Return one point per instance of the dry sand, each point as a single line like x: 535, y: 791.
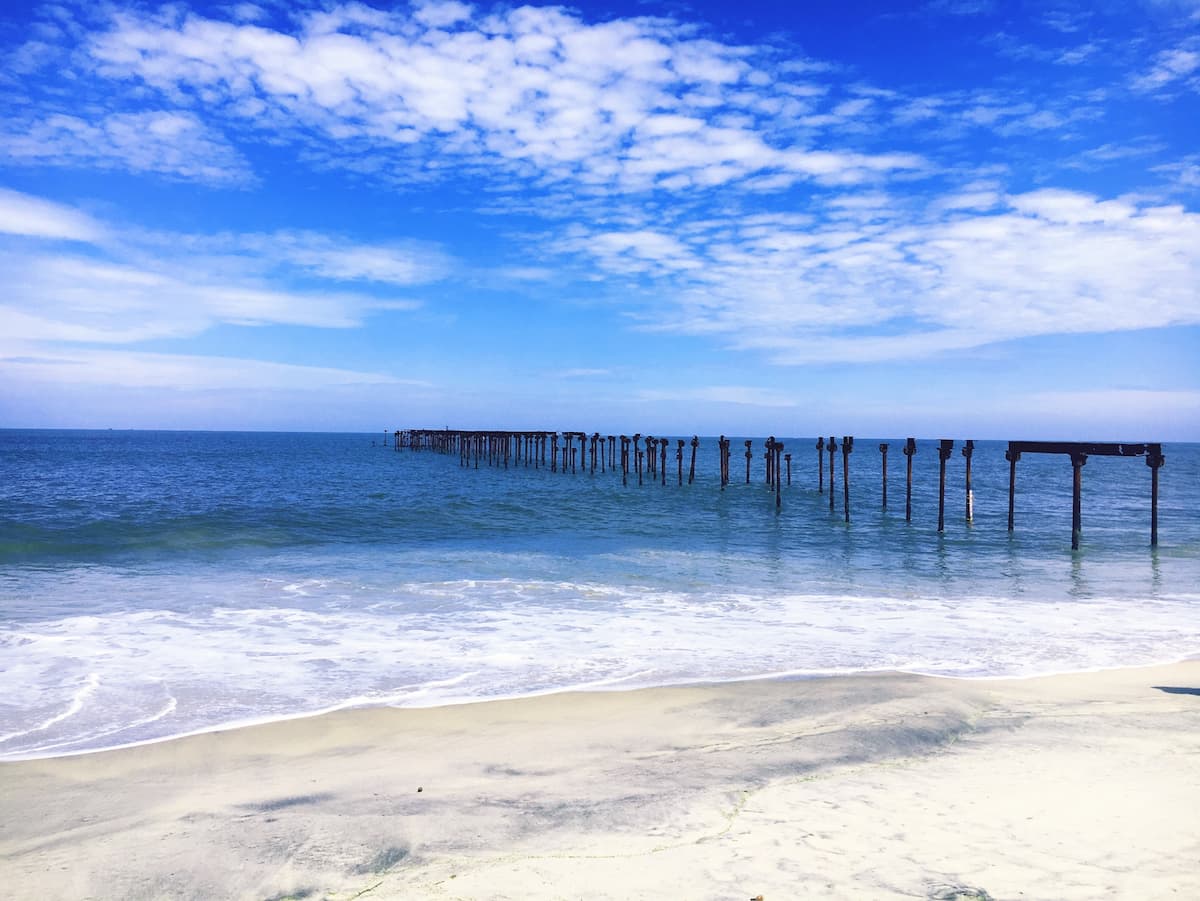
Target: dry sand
x: 875, y: 786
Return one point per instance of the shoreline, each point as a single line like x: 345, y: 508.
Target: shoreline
x: 597, y: 688
x: 1081, y: 785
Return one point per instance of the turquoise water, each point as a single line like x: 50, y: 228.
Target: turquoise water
x: 159, y: 583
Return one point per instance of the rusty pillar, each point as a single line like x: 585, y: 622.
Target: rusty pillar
x: 1077, y: 461
x: 883, y: 452
x: 847, y: 447
x: 945, y: 449
x: 832, y: 447
x: 820, y: 466
x: 1012, y: 456
x: 1154, y: 459
x: 910, y: 450
x: 968, y: 450
x: 778, y: 445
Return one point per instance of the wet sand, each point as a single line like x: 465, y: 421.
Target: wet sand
x: 873, y: 786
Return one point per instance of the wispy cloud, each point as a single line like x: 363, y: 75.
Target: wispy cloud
x: 736, y: 395
x: 126, y: 285
x: 904, y: 283
x: 627, y: 104
x: 171, y: 143
x: 179, y: 372
x: 23, y: 214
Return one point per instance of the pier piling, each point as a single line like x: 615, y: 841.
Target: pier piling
x: 832, y: 446
x: 883, y: 452
x: 968, y: 451
x: 847, y: 447
x: 945, y: 449
x: 910, y: 450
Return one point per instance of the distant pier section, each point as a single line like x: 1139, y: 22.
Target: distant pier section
x: 644, y: 458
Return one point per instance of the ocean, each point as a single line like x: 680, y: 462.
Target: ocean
x: 155, y: 584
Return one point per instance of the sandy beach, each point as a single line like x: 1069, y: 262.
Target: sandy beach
x: 874, y: 786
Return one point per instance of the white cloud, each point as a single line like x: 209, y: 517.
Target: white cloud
x: 625, y: 104
x: 905, y: 283
x: 737, y: 395
x: 171, y: 143
x: 23, y: 214
x: 132, y: 286
x: 1169, y: 67
x: 176, y: 372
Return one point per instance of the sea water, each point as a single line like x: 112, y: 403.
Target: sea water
x: 155, y: 584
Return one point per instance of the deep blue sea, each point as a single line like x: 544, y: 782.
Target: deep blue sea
x: 160, y: 583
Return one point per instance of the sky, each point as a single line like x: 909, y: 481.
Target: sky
x: 956, y: 218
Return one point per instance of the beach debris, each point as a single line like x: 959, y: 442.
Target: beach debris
x: 945, y: 892
x: 420, y: 789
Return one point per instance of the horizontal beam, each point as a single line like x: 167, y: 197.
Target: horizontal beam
x: 1084, y: 447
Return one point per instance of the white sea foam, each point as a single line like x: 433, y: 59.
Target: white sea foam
x: 128, y: 676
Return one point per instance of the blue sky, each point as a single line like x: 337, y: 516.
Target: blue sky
x: 966, y: 219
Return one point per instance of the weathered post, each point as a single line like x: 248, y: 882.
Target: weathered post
x: 748, y: 455
x: 624, y: 460
x: 723, y: 457
x: 662, y: 456
x: 769, y: 462
x: 1077, y: 460
x: 1012, y: 456
x: 832, y: 447
x: 778, y: 445
x: 554, y: 451
x: 820, y: 466
x: 692, y: 467
x: 788, y: 459
x: 910, y: 450
x: 679, y: 458
x: 883, y: 451
x: 967, y: 451
x: 1154, y: 459
x: 945, y: 449
x: 847, y: 447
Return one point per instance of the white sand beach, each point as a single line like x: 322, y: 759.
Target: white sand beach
x: 875, y: 786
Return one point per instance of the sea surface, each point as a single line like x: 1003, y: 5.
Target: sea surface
x: 154, y: 584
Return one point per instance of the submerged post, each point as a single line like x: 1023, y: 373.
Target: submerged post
x: 692, y: 467
x: 945, y: 449
x: 749, y: 453
x: 788, y: 459
x: 832, y: 446
x: 1077, y: 461
x: 1154, y: 459
x: 967, y: 450
x: 910, y: 450
x: 820, y: 466
x: 883, y: 451
x: 778, y: 490
x: 847, y: 447
x: 1012, y: 456
x: 679, y: 458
